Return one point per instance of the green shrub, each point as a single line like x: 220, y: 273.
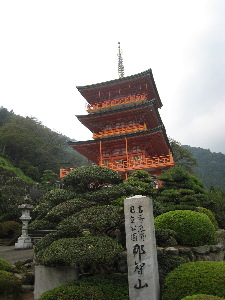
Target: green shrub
x: 9, y: 228
x: 202, y: 277
x: 5, y: 266
x: 9, y: 284
x: 65, y: 292
x: 202, y: 297
x: 141, y: 181
x: 89, y: 250
x: 57, y: 196
x: 192, y: 228
x: 210, y: 214
x: 90, y: 178
x: 97, y: 219
x: 65, y: 209
x: 114, y: 286
x: 165, y: 237
x: 41, y: 225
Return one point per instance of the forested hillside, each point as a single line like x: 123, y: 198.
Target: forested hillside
x: 29, y: 145
x: 211, y: 166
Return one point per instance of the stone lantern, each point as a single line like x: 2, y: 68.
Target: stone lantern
x: 24, y: 241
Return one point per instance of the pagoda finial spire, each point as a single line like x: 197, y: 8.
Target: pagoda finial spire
x: 120, y: 62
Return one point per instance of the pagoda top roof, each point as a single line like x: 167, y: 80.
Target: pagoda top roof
x: 145, y: 77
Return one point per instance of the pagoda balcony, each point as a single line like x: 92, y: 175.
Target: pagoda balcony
x: 152, y: 163
x: 110, y: 104
x: 120, y: 130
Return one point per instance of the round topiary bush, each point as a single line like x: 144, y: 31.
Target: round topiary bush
x: 9, y: 228
x: 89, y: 250
x: 97, y: 219
x: 9, y: 284
x: 65, y: 292
x: 202, y: 277
x: 5, y: 266
x: 192, y: 228
x: 202, y: 297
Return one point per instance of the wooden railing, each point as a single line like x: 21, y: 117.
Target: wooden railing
x: 138, y: 164
x: 116, y: 102
x: 119, y: 130
x: 64, y: 172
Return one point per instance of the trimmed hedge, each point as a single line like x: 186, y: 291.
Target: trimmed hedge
x: 192, y: 228
x: 65, y: 292
x: 66, y: 209
x: 5, y: 266
x: 202, y: 277
x: 41, y: 225
x: 9, y: 284
x: 98, y: 219
x: 202, y: 297
x: 90, y: 250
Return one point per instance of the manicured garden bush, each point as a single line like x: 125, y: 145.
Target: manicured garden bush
x: 202, y: 277
x: 142, y: 182
x: 165, y: 237
x: 5, y: 266
x: 9, y: 284
x: 57, y: 196
x: 43, y: 243
x: 210, y: 214
x: 202, y: 297
x: 41, y: 225
x: 90, y: 178
x: 96, y: 251
x: 65, y: 292
x: 9, y: 228
x: 192, y: 228
x: 97, y: 219
x: 65, y: 209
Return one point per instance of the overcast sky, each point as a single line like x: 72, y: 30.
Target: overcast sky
x: 48, y: 47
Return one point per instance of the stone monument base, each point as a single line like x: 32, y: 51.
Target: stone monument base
x: 24, y: 243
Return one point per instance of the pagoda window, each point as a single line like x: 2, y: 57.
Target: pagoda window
x: 136, y: 149
x: 105, y: 153
x: 119, y: 151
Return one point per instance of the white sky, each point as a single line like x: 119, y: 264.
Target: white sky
x: 47, y: 47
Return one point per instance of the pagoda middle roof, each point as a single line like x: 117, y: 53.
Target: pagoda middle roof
x: 87, y: 91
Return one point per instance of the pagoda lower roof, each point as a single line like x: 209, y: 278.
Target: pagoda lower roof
x: 87, y: 91
x: 154, y: 141
x: 146, y: 111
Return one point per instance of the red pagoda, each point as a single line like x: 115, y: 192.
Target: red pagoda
x: 128, y: 133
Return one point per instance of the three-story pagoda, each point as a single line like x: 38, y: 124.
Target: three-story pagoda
x: 128, y: 133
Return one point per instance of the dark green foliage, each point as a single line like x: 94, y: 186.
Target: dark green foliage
x: 97, y: 219
x: 208, y: 213
x: 96, y: 251
x: 65, y: 209
x: 45, y: 242
x: 202, y: 277
x: 41, y: 225
x: 183, y: 157
x: 108, y: 194
x: 165, y: 237
x: 114, y: 286
x: 202, y: 297
x: 9, y: 228
x: 167, y: 263
x: 5, y: 266
x: 142, y: 182
x: 65, y: 292
x: 180, y: 188
x: 90, y: 178
x: 211, y: 166
x: 58, y: 196
x: 216, y: 203
x: 192, y: 228
x: 9, y: 284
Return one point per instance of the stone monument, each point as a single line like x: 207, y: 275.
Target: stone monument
x: 24, y: 241
x: 142, y: 262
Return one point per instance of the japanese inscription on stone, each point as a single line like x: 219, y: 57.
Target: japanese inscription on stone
x: 141, y: 249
